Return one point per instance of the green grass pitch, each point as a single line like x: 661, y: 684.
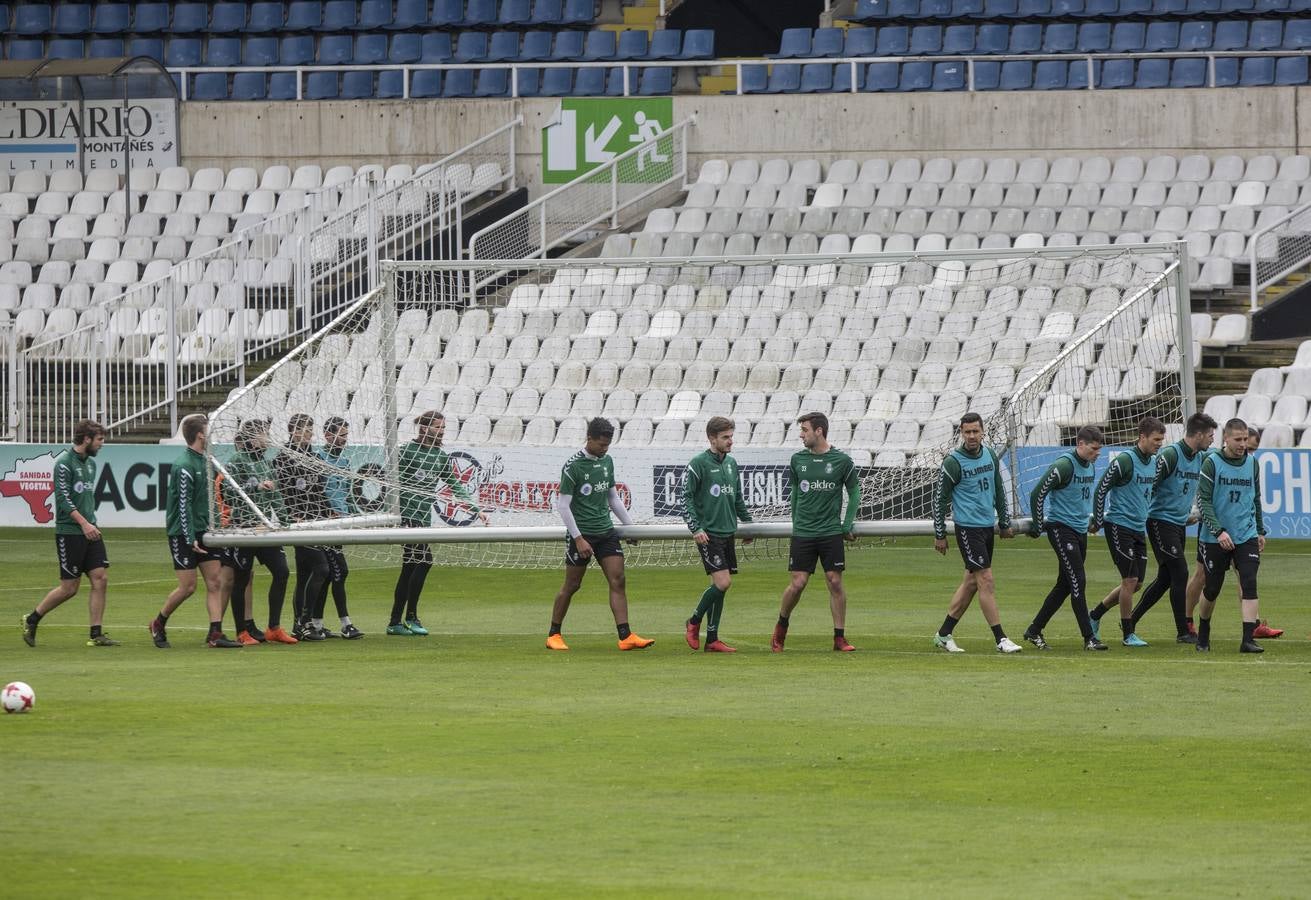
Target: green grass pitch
x: 476, y: 763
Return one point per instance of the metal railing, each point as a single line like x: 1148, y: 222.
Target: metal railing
x: 656, y: 166
x: 8, y: 381
x: 132, y: 357
x: 632, y: 69
x: 1278, y: 250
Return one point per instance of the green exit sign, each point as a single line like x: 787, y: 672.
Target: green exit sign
x: 589, y: 132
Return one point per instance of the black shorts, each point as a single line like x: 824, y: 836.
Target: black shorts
x: 242, y: 559
x: 719, y: 554
x: 829, y: 551
x: 77, y: 556
x: 337, y: 568
x: 1128, y: 550
x: 416, y: 554
x: 603, y: 545
x: 1169, y: 540
x: 185, y: 557
x: 975, y: 546
x: 1245, y: 559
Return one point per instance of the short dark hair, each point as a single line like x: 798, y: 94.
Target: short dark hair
x: 297, y: 421
x: 1090, y: 434
x: 334, y: 423
x: 971, y: 418
x: 86, y: 429
x: 192, y: 426
x: 1199, y: 422
x: 1151, y: 425
x: 600, y: 428
x: 1253, y: 431
x: 718, y: 425
x: 427, y: 419
x: 818, y: 422
x: 247, y: 432
x: 1235, y: 424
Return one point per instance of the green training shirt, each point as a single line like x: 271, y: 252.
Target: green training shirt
x: 712, y: 496
x: 75, y: 489
x: 188, y: 497
x: 587, y: 480
x: 817, y: 484
x: 421, y: 468
x: 249, y: 470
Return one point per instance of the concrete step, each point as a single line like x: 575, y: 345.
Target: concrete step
x: 641, y: 16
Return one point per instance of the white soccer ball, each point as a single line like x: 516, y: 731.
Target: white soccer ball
x: 18, y: 697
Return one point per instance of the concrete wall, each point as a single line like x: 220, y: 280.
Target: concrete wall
x: 831, y: 126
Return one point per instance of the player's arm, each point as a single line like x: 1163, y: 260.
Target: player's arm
x: 1256, y: 506
x: 617, y: 507
x: 1166, y: 462
x: 687, y: 498
x: 948, y: 479
x: 999, y: 499
x: 1058, y: 475
x: 1206, y: 501
x: 852, y: 484
x: 185, y: 489
x: 64, y: 501
x: 1117, y: 474
x: 459, y: 489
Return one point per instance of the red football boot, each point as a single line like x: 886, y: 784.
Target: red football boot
x: 692, y: 631
x: 776, y: 641
x: 718, y: 646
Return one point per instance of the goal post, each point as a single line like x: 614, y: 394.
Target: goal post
x: 892, y: 347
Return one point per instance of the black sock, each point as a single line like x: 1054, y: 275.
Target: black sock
x: 555, y: 629
x: 837, y: 632
x: 1188, y: 619
x: 1097, y: 612
x: 1249, y: 630
x: 163, y: 619
x: 624, y: 631
x: 997, y: 634
x: 34, y: 618
x: 216, y: 627
x: 694, y: 619
x: 1126, y: 625
x: 948, y: 625
x: 249, y: 625
x: 783, y: 622
x: 95, y: 631
x: 712, y: 636
x: 1204, y: 631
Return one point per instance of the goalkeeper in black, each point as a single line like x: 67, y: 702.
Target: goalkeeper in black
x: 301, y: 478
x: 712, y: 506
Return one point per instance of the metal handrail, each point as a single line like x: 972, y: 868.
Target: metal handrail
x: 1257, y: 283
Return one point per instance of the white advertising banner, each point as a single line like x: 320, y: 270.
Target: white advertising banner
x: 49, y: 135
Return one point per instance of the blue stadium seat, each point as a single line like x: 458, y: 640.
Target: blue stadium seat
x: 546, y: 12
x: 260, y: 51
x: 1188, y: 73
x: 370, y: 49
x: 958, y: 40
x: 1169, y: 7
x: 336, y: 50
x: 265, y: 18
x: 1077, y: 78
x: 614, y: 83
x: 356, y: 85
x: 210, y: 86
x: 1230, y: 35
x: 600, y: 45
x: 1265, y: 34
x: 1060, y: 37
x: 65, y: 48
x: 1237, y: 6
x: 794, y: 43
x: 303, y: 15
x: 391, y: 84
x: 1128, y: 37
x: 410, y: 14
x: 493, y: 83
x: 816, y: 78
x: 698, y: 43
x: 223, y: 51
x: 295, y: 50
x: 590, y: 82
x: 1101, y: 9
x: 111, y: 18
x: 1016, y: 75
x: 405, y: 48
x: 1297, y: 34
x: 754, y: 79
x: 632, y: 44
x: 967, y: 9
x: 536, y: 45
x: 249, y: 86
x: 657, y: 81
x: 894, y: 40
x: 504, y: 47
x: 479, y: 14
x: 934, y: 9
x: 182, y: 52
x: 1265, y: 6
x: 1203, y: 7
x: 1291, y: 70
x: 1050, y: 75
x: 1162, y: 37
x: 1094, y: 37
x: 1257, y: 71
x: 861, y: 42
x: 282, y: 86
x: 1067, y: 7
x: 784, y: 79
x: 514, y: 12
x: 436, y: 47
x: 526, y: 82
x: 150, y: 18
x: 190, y: 18
x: 842, y: 77
x: 374, y: 14
x: 426, y: 83
x: 101, y: 48
x: 1153, y: 73
x: 1026, y: 38
x: 27, y: 48
x: 339, y: 15
x: 227, y: 18
x: 925, y: 40
x: 987, y: 75
x: 665, y: 44
x: 1226, y: 71
x: 827, y: 42
x: 1135, y: 7
x: 1196, y: 36
x: 881, y: 76
x: 471, y: 46
x: 32, y: 19
x: 867, y: 10
x: 1000, y: 9
x: 557, y: 82
x: 72, y: 18
x: 905, y: 9
x: 992, y: 37
x: 948, y: 76
x: 568, y: 46
x: 1032, y: 9
x: 152, y: 47
x: 322, y: 86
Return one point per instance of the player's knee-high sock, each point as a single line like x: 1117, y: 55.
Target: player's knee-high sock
x: 708, y: 598
x: 240, y: 580
x: 278, y: 576
x: 339, y: 598
x: 402, y: 594
x: 1179, y: 602
x: 716, y: 611
x: 417, y: 579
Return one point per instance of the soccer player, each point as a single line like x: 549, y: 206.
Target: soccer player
x: 587, y: 497
x: 1061, y: 505
x: 250, y: 471
x: 1231, y: 531
x: 1120, y: 504
x: 971, y: 485
x: 422, y: 464
x: 819, y: 475
x: 712, y: 506
x: 78, y: 542
x: 186, y: 519
x: 336, y: 492
x: 300, y: 477
x: 1175, y: 484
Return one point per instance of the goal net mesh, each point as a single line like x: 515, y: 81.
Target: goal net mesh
x: 518, y: 356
